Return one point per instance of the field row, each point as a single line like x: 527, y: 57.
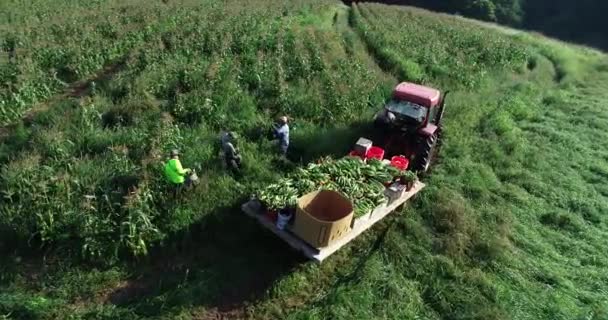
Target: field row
x: 90, y: 167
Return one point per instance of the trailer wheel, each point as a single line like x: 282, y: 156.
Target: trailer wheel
x: 424, y: 156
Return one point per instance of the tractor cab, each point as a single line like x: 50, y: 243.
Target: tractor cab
x: 412, y: 107
x: 410, y: 122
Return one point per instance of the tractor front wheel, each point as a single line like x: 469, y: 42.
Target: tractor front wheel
x: 426, y: 147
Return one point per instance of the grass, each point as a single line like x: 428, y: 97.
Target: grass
x: 512, y: 224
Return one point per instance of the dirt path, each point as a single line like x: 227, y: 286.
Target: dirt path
x: 343, y: 26
x: 76, y: 89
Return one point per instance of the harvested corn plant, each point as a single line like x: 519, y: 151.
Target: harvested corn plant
x: 361, y: 182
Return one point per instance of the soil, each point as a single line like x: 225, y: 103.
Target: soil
x: 76, y: 89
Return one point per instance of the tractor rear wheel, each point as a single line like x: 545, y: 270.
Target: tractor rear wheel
x: 426, y: 147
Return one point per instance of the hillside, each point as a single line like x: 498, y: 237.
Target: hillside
x: 513, y: 223
x: 576, y: 21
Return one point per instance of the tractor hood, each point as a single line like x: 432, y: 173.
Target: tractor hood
x: 424, y: 96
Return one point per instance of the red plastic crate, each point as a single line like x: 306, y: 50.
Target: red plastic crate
x: 375, y: 153
x: 400, y: 162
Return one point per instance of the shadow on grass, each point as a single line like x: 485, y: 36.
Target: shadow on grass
x: 359, y: 268
x: 227, y: 261
x: 218, y: 265
x: 222, y: 263
x: 356, y: 271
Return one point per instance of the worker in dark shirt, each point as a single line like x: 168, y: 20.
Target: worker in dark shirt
x: 231, y: 155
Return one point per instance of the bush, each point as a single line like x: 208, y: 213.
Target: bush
x: 482, y: 9
x: 31, y: 307
x: 560, y: 221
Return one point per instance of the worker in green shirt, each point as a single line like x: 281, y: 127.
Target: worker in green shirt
x: 175, y: 173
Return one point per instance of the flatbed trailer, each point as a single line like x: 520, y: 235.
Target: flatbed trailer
x: 360, y: 224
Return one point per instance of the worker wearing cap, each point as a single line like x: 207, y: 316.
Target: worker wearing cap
x: 281, y: 132
x: 230, y: 152
x: 174, y: 171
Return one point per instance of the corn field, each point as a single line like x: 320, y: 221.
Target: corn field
x: 88, y: 165
x: 95, y: 94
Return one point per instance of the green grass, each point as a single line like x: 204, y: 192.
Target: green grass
x: 513, y: 223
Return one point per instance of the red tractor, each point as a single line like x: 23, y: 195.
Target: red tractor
x: 410, y: 123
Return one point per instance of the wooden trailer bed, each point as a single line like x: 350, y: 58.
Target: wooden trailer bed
x: 359, y: 226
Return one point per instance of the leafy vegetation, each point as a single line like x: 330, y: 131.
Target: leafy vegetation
x: 512, y: 224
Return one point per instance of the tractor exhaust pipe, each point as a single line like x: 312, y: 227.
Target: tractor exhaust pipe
x: 441, y: 109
